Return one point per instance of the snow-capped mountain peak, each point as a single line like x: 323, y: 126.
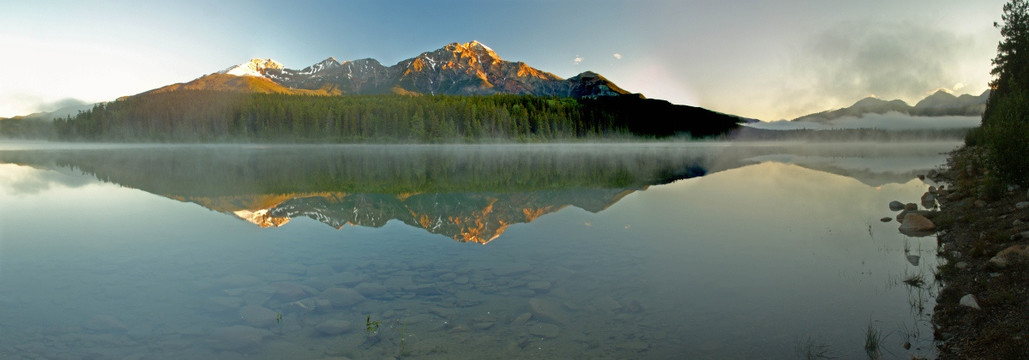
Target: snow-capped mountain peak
x: 254, y: 67
x: 476, y: 43
x: 326, y: 64
x: 470, y: 68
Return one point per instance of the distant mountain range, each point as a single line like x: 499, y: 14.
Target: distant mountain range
x: 64, y: 111
x: 940, y: 103
x: 455, y: 69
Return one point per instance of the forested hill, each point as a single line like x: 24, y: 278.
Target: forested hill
x: 214, y: 116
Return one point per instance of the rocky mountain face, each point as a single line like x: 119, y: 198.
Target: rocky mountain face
x: 455, y: 69
x: 940, y: 103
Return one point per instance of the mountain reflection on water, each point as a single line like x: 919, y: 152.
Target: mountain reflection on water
x: 468, y: 193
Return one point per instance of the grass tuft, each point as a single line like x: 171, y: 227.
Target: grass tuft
x: 873, y: 341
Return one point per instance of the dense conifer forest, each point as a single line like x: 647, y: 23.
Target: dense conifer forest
x: 221, y: 116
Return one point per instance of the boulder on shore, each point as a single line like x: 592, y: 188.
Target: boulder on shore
x: 1006, y: 256
x: 916, y: 225
x: 969, y: 301
x: 928, y: 200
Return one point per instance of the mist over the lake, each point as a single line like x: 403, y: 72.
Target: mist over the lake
x: 889, y: 121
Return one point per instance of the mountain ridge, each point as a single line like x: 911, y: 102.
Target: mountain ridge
x: 455, y: 69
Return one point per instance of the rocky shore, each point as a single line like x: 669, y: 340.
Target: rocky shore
x: 982, y: 311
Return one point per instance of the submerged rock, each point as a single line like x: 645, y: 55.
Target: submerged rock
x: 886, y: 219
x: 539, y: 286
x: 223, y: 303
x: 896, y: 205
x: 237, y: 337
x: 258, y: 316
x: 521, y: 319
x: 334, y: 327
x: 547, y: 309
x: 342, y: 297
x: 372, y: 290
x: 302, y: 306
x: 545, y: 330
x: 288, y: 292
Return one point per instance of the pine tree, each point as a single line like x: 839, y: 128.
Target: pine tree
x: 1005, y: 129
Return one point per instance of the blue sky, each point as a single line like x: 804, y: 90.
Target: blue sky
x: 764, y: 59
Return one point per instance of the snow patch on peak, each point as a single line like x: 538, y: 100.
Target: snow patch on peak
x: 476, y: 43
x: 255, y: 67
x: 329, y: 63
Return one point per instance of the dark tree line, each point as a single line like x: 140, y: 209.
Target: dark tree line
x: 214, y: 116
x: 1005, y: 130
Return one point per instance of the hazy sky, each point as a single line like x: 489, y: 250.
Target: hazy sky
x: 764, y: 59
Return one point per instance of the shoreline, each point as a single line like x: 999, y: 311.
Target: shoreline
x: 982, y: 311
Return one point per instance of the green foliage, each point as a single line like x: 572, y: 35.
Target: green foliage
x: 1005, y: 130
x: 210, y: 116
x: 371, y: 327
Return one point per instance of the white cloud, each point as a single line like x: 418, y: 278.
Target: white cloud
x: 618, y: 56
x: 577, y: 60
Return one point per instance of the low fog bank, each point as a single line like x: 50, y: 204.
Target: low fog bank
x: 892, y: 121
x: 889, y: 127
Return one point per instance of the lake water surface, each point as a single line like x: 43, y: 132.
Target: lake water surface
x: 615, y: 251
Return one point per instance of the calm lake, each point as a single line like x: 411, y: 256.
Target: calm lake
x: 612, y: 251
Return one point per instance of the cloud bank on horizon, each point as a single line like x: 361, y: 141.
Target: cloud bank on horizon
x: 762, y: 59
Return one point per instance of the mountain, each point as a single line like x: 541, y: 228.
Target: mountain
x: 455, y: 69
x: 943, y: 103
x: 940, y: 103
x: 64, y: 111
x: 39, y: 125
